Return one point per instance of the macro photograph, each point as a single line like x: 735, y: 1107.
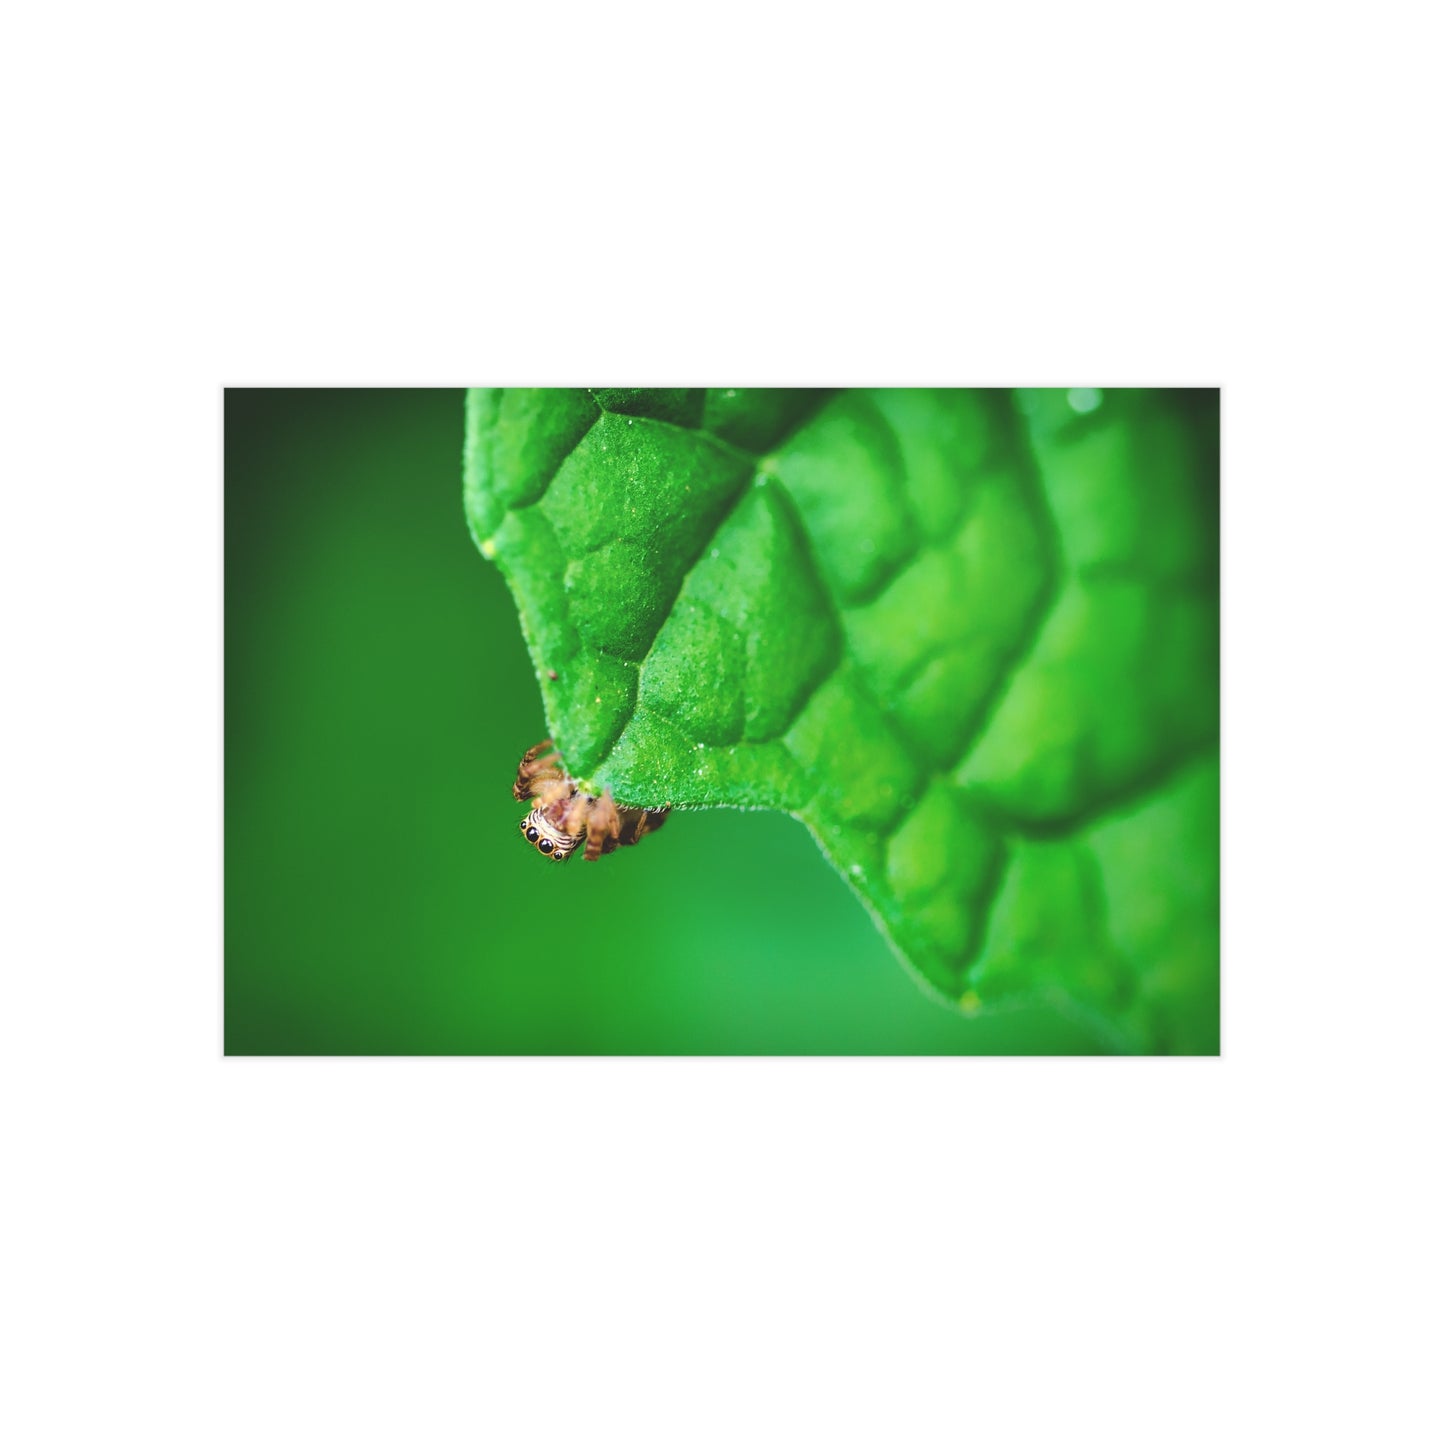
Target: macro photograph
x: 722, y: 720
x: 626, y: 633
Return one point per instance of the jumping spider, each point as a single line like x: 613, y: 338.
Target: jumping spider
x: 564, y: 815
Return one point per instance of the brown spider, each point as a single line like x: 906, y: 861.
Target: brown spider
x: 564, y: 814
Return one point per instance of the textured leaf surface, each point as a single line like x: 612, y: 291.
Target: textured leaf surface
x: 970, y: 638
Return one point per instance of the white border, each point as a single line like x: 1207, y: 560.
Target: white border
x: 721, y: 1250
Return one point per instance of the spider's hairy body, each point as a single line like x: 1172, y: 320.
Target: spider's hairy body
x: 563, y: 816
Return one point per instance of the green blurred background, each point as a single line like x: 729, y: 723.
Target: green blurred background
x: 378, y: 897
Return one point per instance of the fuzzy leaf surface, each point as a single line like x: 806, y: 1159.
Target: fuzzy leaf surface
x: 969, y: 637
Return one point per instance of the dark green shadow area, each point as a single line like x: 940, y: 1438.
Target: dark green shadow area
x: 378, y: 897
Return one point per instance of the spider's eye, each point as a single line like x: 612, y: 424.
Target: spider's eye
x: 532, y: 834
x: 545, y: 845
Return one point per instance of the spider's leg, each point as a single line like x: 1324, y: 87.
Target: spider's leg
x: 539, y: 764
x: 574, y: 820
x: 604, y: 823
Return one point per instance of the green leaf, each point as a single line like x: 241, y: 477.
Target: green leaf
x: 970, y: 638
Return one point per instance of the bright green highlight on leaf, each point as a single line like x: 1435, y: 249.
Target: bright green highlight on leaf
x: 970, y: 638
